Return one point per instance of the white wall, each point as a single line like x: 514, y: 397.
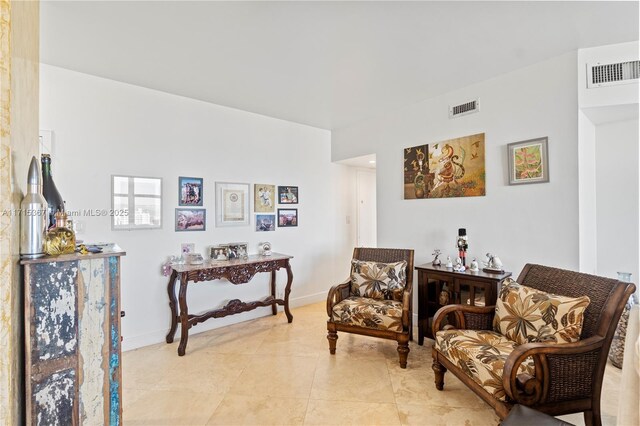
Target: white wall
x: 527, y: 223
x: 617, y: 198
x: 102, y: 127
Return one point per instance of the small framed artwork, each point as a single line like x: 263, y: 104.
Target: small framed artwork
x: 287, y: 217
x: 288, y: 194
x: 187, y: 248
x: 265, y: 222
x: 191, y: 219
x: 232, y: 204
x: 189, y: 191
x: 528, y: 161
x: 264, y: 198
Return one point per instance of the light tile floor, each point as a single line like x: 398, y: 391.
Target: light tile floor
x: 267, y: 371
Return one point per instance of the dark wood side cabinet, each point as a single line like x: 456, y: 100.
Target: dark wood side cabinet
x: 439, y: 286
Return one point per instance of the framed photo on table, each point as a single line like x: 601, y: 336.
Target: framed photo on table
x: 232, y: 204
x: 528, y: 161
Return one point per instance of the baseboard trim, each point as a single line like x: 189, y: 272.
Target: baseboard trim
x: 158, y: 336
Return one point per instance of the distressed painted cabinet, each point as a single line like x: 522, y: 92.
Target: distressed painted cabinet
x: 72, y: 339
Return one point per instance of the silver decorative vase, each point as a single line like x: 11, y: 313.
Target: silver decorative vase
x: 33, y: 215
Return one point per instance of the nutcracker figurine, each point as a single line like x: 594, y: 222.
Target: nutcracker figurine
x: 463, y: 245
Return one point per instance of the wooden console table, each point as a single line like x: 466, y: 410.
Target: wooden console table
x: 236, y: 271
x: 471, y: 288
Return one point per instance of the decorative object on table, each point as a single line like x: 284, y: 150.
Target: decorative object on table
x: 449, y: 264
x: 288, y: 194
x: 195, y: 259
x: 264, y: 198
x: 452, y: 168
x: 444, y: 296
x: 459, y: 267
x: 167, y: 266
x: 60, y: 239
x: 237, y: 250
x: 436, y: 261
x: 462, y: 245
x: 33, y: 215
x: 616, y: 352
x: 265, y: 222
x: 190, y: 191
x: 287, y: 218
x: 186, y: 248
x: 86, y: 249
x: 219, y: 253
x: 264, y: 248
x: 232, y: 204
x: 50, y: 191
x: 191, y: 220
x: 528, y: 161
x: 474, y: 265
x: 493, y: 264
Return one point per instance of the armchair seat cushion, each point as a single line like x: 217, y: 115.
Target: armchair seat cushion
x: 369, y: 313
x: 481, y: 355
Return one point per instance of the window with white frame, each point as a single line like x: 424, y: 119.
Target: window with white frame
x: 136, y: 202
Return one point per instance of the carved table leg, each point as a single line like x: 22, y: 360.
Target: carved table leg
x: 184, y: 315
x: 274, y: 305
x: 287, y: 290
x: 171, y: 289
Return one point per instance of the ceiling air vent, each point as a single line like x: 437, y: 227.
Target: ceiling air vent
x: 600, y: 75
x: 464, y: 109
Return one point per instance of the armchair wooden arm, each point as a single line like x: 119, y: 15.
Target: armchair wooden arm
x: 559, y: 371
x: 338, y: 293
x: 465, y: 317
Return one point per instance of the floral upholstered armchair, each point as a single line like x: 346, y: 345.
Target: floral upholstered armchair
x: 376, y: 300
x: 543, y: 345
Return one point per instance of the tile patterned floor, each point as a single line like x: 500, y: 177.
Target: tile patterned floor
x: 267, y: 371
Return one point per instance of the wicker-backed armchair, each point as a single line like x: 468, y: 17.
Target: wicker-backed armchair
x: 388, y: 319
x: 555, y: 378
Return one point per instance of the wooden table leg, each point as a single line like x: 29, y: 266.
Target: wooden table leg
x: 274, y: 305
x: 184, y: 314
x: 287, y: 290
x: 171, y: 289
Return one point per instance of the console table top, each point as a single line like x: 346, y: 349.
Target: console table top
x: 210, y: 263
x: 469, y: 273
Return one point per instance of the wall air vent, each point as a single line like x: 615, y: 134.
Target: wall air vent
x: 600, y: 75
x: 464, y: 109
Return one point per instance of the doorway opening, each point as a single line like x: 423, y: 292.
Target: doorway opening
x: 363, y: 176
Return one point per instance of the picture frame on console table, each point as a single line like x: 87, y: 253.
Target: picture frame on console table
x: 528, y: 161
x: 232, y: 204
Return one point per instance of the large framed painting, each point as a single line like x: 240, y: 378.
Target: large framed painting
x: 451, y: 168
x: 264, y: 198
x: 232, y: 204
x: 528, y: 161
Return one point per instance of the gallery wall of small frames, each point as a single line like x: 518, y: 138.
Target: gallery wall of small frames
x: 272, y: 206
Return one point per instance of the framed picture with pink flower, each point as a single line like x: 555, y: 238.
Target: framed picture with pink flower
x: 528, y: 161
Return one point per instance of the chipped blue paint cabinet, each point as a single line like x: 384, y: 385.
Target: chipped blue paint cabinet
x: 72, y: 339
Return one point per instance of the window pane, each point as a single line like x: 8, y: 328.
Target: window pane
x: 146, y: 186
x: 147, y: 211
x: 120, y: 206
x: 120, y: 185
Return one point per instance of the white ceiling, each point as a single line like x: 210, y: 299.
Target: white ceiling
x: 326, y: 64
